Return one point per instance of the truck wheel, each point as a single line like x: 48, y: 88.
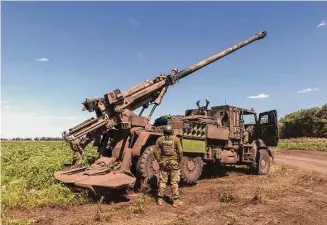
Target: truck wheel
x: 191, y: 169
x: 148, y: 168
x: 262, y: 163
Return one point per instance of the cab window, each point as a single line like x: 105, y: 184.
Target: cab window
x: 249, y: 119
x: 264, y: 119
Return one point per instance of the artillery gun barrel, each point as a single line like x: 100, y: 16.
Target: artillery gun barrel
x: 219, y: 55
x: 96, y: 124
x: 82, y: 125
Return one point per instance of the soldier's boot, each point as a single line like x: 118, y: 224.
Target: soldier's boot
x: 177, y: 202
x: 76, y: 164
x: 160, y: 201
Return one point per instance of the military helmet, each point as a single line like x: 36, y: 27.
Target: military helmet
x: 174, y: 70
x: 168, y: 130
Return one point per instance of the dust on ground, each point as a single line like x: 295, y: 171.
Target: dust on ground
x: 287, y: 195
x: 308, y: 160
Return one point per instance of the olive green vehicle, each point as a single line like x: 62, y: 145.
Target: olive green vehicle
x: 224, y: 135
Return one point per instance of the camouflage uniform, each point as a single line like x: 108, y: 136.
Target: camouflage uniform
x: 246, y: 137
x: 77, y: 159
x: 248, y: 131
x: 168, y: 152
x: 77, y: 155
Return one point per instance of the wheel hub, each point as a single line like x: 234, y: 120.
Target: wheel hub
x: 154, y: 165
x: 190, y: 165
x: 262, y: 163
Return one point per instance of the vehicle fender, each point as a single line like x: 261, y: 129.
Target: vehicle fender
x: 261, y: 145
x: 144, y: 139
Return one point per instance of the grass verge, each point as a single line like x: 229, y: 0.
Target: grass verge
x: 315, y: 144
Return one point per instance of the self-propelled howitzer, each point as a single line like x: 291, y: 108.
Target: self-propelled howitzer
x: 116, y: 128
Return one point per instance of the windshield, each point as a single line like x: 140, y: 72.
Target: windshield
x: 249, y: 119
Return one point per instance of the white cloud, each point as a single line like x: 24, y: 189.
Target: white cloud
x: 323, y: 23
x: 54, y: 117
x: 307, y: 90
x: 5, y: 104
x: 134, y: 23
x: 259, y: 96
x: 42, y: 59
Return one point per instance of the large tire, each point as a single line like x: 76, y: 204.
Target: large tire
x: 148, y: 168
x: 191, y: 169
x: 262, y: 163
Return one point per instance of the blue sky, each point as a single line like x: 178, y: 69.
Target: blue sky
x: 91, y: 48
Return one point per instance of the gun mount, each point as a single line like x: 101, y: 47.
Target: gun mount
x: 117, y: 130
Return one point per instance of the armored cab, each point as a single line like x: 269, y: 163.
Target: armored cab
x: 229, y: 123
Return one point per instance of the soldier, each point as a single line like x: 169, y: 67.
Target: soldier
x: 76, y: 163
x: 168, y: 152
x: 247, y: 133
x: 77, y: 155
x: 77, y: 159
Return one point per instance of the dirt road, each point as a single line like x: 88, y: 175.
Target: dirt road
x: 292, y: 193
x: 307, y: 160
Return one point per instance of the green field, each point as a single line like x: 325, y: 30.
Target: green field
x: 27, y: 170
x: 316, y: 144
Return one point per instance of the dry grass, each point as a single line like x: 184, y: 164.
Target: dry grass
x: 139, y: 206
x: 9, y: 221
x: 103, y: 215
x: 227, y: 195
x: 308, y: 179
x: 277, y: 170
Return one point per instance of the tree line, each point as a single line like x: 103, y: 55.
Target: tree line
x: 310, y: 122
x: 32, y: 139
